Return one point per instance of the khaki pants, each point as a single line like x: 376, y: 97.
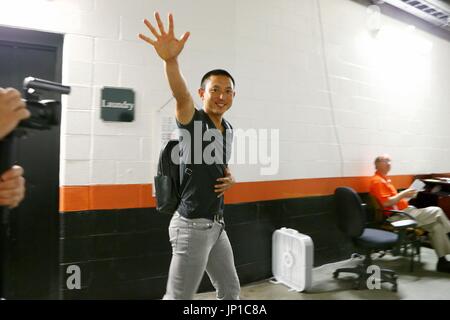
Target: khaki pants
x: 433, y: 220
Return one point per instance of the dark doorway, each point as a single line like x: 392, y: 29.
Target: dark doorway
x: 31, y: 265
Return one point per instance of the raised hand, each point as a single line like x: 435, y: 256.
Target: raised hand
x: 167, y: 46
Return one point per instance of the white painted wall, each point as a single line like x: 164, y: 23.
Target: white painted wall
x: 338, y: 94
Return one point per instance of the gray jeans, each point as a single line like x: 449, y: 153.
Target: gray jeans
x: 199, y: 245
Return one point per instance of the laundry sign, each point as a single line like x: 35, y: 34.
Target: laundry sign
x: 117, y: 104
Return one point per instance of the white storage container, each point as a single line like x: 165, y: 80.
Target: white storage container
x: 292, y: 258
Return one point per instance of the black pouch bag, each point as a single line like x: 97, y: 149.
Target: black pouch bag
x: 167, y: 181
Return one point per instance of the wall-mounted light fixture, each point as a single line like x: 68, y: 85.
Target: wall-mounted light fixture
x: 373, y: 19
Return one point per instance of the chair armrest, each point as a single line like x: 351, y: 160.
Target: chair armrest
x: 404, y: 224
x: 400, y: 213
x: 410, y: 222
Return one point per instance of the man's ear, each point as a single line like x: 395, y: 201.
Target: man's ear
x: 201, y: 93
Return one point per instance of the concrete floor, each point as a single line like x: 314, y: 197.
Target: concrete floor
x: 424, y: 283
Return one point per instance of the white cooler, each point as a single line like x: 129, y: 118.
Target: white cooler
x: 292, y: 259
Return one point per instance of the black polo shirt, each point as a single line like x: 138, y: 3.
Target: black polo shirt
x: 205, y: 153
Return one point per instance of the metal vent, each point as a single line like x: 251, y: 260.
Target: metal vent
x: 436, y: 12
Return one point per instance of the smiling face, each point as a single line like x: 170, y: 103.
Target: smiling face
x: 217, y: 95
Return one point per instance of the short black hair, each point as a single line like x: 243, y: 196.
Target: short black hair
x: 216, y: 72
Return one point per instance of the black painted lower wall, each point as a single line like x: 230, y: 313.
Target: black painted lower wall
x: 125, y: 254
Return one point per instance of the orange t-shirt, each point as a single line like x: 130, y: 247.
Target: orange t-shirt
x: 382, y: 189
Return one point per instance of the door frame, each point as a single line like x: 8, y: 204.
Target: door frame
x: 55, y: 41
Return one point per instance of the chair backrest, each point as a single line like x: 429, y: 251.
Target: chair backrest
x: 350, y: 212
x: 379, y: 215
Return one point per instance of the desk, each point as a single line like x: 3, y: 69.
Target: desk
x: 436, y: 193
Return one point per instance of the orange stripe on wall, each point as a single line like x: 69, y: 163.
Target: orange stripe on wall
x: 284, y: 189
x: 103, y: 197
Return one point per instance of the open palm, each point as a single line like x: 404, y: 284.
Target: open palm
x: 167, y: 46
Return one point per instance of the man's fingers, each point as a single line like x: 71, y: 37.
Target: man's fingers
x: 160, y: 24
x: 151, y: 28
x: 222, y: 187
x: 12, y: 188
x: 12, y: 202
x: 13, y: 98
x: 15, y: 194
x: 18, y: 104
x: 14, y: 205
x: 11, y: 195
x: 11, y: 184
x: 146, y: 39
x: 220, y: 195
x: 228, y: 178
x: 171, y: 31
x: 23, y: 113
x: 12, y: 94
x: 225, y: 180
x: 185, y: 37
x: 14, y: 172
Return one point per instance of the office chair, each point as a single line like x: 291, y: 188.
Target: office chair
x: 352, y: 222
x: 400, y: 222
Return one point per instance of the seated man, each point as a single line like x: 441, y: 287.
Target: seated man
x: 432, y: 219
